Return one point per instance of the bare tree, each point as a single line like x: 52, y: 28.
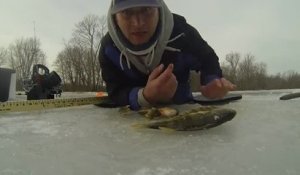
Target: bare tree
x: 101, y: 34
x: 246, y: 69
x: 232, y: 59
x: 81, y: 54
x: 251, y: 75
x: 3, y: 54
x: 246, y: 73
x: 23, y: 54
x: 70, y: 65
x: 87, y: 35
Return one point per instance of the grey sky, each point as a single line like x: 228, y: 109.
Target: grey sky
x: 268, y: 29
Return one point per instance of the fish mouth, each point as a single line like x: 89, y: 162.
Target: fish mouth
x: 221, y: 116
x: 227, y: 114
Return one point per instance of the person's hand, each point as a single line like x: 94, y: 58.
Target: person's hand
x: 161, y: 85
x: 217, y: 88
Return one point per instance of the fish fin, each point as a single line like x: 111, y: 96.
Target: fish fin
x: 125, y: 110
x: 166, y: 130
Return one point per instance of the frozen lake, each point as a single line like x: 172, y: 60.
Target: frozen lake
x: 263, y: 139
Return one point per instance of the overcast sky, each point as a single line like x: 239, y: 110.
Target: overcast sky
x: 268, y: 29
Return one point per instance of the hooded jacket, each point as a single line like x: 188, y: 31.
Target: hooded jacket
x: 186, y: 50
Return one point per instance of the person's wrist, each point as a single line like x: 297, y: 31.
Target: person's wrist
x: 147, y: 97
x: 141, y: 99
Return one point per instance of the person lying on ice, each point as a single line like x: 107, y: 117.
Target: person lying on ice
x: 148, y: 53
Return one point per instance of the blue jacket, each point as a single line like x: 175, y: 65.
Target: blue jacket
x: 123, y: 84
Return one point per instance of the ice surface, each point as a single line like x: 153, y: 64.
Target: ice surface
x: 263, y: 138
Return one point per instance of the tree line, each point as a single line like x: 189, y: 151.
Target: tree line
x: 78, y: 66
x: 248, y: 74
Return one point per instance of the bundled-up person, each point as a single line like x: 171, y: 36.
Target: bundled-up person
x: 148, y: 53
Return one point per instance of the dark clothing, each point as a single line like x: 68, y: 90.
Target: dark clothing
x: 195, y: 54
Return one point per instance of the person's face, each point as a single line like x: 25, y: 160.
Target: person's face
x: 138, y: 24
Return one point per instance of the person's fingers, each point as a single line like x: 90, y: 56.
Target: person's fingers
x: 171, y: 83
x: 227, y: 84
x: 231, y: 86
x: 169, y: 88
x: 218, y: 83
x: 215, y: 84
x: 156, y: 72
x: 166, y: 74
x: 215, y: 89
x: 208, y: 91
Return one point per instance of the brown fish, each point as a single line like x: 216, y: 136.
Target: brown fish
x: 195, y: 119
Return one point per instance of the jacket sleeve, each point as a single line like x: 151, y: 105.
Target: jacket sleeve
x: 118, y: 86
x: 207, y: 60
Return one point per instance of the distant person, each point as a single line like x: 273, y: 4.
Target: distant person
x: 148, y: 53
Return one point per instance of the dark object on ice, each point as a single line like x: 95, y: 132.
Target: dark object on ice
x: 107, y: 103
x: 8, y: 84
x: 43, y: 84
x: 290, y: 96
x: 206, y: 101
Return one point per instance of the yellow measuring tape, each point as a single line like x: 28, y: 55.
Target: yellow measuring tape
x: 31, y: 105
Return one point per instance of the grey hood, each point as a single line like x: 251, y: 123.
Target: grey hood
x: 154, y: 52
